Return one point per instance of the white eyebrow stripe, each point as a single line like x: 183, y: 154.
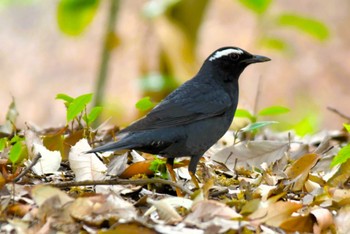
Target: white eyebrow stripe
x: 226, y: 52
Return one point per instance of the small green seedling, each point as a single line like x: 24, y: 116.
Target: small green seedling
x: 144, y: 104
x: 254, y: 123
x: 159, y: 168
x: 76, y: 108
x: 18, y: 149
x: 344, y: 153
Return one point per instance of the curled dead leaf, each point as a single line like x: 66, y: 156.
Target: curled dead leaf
x: 274, y: 214
x: 165, y: 210
x: 324, y: 219
x: 137, y: 168
x: 300, y: 169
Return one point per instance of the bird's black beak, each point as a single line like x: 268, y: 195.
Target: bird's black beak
x: 256, y: 59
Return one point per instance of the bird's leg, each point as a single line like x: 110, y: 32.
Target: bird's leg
x: 194, y: 179
x: 192, y: 169
x: 170, y: 168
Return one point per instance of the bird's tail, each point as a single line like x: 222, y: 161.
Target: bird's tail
x: 113, y: 146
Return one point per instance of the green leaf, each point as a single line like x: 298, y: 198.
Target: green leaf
x: 15, y: 139
x: 77, y: 106
x: 243, y: 113
x: 310, y: 26
x: 73, y: 16
x: 273, y: 43
x: 257, y: 125
x: 342, y: 156
x: 347, y: 127
x: 64, y: 97
x: 308, y: 125
x: 144, y: 104
x: 158, y: 166
x: 94, y: 113
x: 15, y: 152
x: 155, y: 82
x: 2, y: 143
x: 257, y: 6
x: 273, y: 110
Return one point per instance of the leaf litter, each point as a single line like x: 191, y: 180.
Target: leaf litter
x: 272, y: 184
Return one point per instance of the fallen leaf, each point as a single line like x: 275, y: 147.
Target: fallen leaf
x: 324, y: 219
x: 41, y: 193
x: 137, y: 168
x: 166, y: 211
x: 341, y: 175
x: 85, y: 166
x: 130, y: 228
x: 253, y: 153
x: 206, y: 210
x: 172, y: 201
x: 49, y: 162
x: 342, y: 220
x: 274, y: 214
x: 300, y: 169
x: 301, y: 224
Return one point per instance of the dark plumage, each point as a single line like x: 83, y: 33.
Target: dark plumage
x: 194, y: 116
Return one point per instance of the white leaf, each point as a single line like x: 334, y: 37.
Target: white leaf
x: 85, y: 166
x: 48, y: 163
x: 136, y: 157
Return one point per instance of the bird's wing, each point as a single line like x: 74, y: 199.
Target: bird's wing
x: 183, y: 107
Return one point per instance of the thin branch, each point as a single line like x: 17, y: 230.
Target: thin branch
x: 25, y: 171
x: 339, y: 113
x: 106, y: 53
x: 120, y: 181
x: 257, y: 96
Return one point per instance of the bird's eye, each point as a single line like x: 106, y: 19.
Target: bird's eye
x: 234, y: 56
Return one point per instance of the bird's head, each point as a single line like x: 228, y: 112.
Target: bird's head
x: 229, y: 62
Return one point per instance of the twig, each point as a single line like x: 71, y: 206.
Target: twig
x: 25, y: 171
x: 106, y: 53
x: 339, y: 113
x: 257, y: 96
x: 120, y: 181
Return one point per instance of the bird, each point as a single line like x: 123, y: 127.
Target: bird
x: 194, y: 116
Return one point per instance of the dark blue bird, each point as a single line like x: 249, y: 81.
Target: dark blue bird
x: 194, y: 116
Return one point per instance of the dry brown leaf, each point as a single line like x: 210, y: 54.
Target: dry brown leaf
x: 310, y: 186
x: 206, y: 210
x: 82, y: 207
x: 166, y: 211
x: 71, y: 140
x: 253, y: 153
x: 341, y: 196
x: 54, y: 141
x: 130, y: 228
x: 250, y: 207
x: 303, y: 224
x: 324, y: 219
x: 300, y: 169
x: 18, y: 210
x: 341, y: 176
x: 137, y: 168
x: 274, y: 214
x: 41, y: 193
x: 342, y: 220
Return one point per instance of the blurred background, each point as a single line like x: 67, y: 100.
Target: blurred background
x: 124, y: 50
